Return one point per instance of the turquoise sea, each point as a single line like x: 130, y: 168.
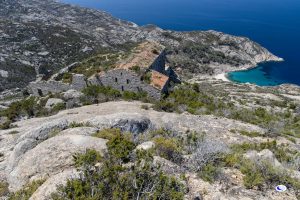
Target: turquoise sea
x: 275, y: 24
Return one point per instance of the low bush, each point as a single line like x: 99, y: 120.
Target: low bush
x: 209, y: 172
x: 27, y: 191
x: 281, y: 153
x: 107, y: 133
x: 168, y: 148
x: 117, y: 179
x: 4, y: 189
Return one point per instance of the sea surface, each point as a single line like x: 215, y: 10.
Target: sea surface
x: 275, y: 24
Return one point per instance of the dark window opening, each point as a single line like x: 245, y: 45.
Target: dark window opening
x: 128, y: 81
x: 116, y: 80
x: 122, y: 88
x: 40, y: 92
x: 121, y: 73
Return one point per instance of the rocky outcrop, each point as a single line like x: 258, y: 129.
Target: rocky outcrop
x: 52, y: 102
x: 42, y: 148
x: 72, y: 98
x: 126, y: 122
x: 50, y: 185
x: 50, y: 158
x: 146, y: 146
x: 31, y: 138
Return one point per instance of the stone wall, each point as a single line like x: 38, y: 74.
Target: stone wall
x: 78, y: 82
x: 159, y: 63
x: 41, y: 88
x: 125, y: 80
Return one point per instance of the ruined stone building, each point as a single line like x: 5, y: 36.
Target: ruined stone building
x: 144, y: 70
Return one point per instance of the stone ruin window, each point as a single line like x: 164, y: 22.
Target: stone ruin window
x: 40, y: 92
x: 116, y: 80
x: 122, y: 88
x: 128, y: 81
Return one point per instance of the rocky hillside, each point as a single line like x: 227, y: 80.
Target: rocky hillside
x: 219, y: 140
x: 41, y: 37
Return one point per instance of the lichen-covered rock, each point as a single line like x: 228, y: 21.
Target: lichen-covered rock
x: 87, y: 131
x: 146, y: 145
x: 51, y: 157
x: 52, y: 102
x: 72, y: 98
x: 126, y: 122
x: 32, y: 138
x: 50, y: 185
x: 264, y: 155
x: 72, y: 94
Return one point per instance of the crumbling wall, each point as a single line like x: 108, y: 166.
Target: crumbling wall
x: 41, y: 88
x: 78, y: 82
x: 159, y: 63
x: 125, y: 80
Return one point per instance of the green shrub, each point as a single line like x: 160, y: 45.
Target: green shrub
x: 127, y: 95
x: 147, y: 77
x: 26, y: 107
x: 168, y: 149
x: 27, y: 191
x: 4, y: 189
x: 253, y: 176
x: 282, y: 154
x: 76, y: 125
x: 120, y: 146
x: 58, y: 107
x: 209, y: 172
x: 264, y: 175
x: 5, y: 125
x: 90, y: 157
x: 108, y: 134
x: 145, y: 107
x: 67, y: 78
x: 250, y: 134
x: 93, y: 93
x: 137, y: 69
x: 115, y: 180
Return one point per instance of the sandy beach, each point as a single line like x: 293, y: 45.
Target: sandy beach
x: 222, y: 76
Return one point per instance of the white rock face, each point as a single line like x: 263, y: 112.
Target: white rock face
x: 51, y: 157
x: 87, y: 131
x: 72, y: 94
x: 53, y: 102
x: 264, y: 155
x: 3, y: 73
x: 44, y: 191
x: 146, y: 146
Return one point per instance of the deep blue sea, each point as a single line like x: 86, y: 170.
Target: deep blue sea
x: 275, y: 24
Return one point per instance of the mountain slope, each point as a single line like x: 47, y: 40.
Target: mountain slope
x: 41, y: 37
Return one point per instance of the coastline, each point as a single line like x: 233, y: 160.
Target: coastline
x: 224, y: 75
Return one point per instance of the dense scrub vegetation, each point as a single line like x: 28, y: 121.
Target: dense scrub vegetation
x: 196, y: 57
x: 98, y: 94
x: 122, y: 174
x: 27, y: 108
x: 103, y: 60
x: 27, y: 191
x: 198, y: 99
